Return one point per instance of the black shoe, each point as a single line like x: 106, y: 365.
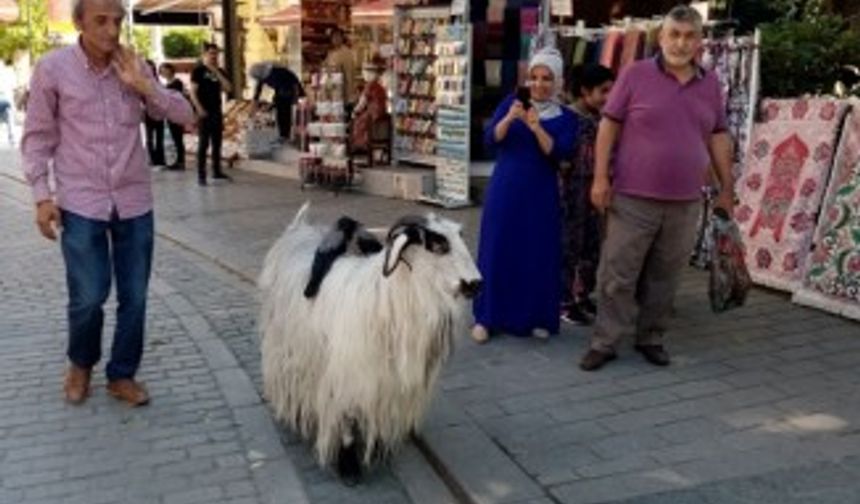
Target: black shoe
x: 655, y: 354
x: 574, y: 315
x: 587, y: 306
x: 175, y: 167
x: 201, y: 182
x: 595, y: 359
x: 222, y: 176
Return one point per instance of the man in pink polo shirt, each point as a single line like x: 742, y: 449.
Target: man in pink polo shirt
x: 666, y: 121
x: 83, y: 122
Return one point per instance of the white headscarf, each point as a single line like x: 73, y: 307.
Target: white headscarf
x: 550, y: 58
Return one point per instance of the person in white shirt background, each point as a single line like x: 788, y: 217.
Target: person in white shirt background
x: 8, y: 78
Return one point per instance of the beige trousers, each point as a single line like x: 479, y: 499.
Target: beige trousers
x: 648, y: 243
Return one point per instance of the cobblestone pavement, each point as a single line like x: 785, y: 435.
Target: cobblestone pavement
x: 759, y: 406
x: 770, y: 390
x: 755, y: 398
x: 185, y: 394
x: 184, y: 448
x: 229, y: 304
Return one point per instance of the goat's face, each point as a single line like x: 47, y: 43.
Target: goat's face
x: 436, y: 246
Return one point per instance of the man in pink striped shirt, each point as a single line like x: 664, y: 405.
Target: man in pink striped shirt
x: 83, y: 122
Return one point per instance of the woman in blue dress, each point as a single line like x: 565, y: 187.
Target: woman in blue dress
x: 519, y: 252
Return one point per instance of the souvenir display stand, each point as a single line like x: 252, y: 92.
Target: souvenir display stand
x: 325, y: 161
x: 453, y: 115
x: 414, y: 99
x: 432, y: 97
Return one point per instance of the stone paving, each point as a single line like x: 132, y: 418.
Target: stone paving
x: 763, y: 392
x: 769, y: 388
x: 184, y: 448
x: 229, y: 304
x: 226, y: 304
x: 759, y: 406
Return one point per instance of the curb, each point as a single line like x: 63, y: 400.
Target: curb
x: 473, y: 466
x: 274, y: 474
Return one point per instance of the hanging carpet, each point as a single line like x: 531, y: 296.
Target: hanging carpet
x: 832, y: 275
x: 780, y: 192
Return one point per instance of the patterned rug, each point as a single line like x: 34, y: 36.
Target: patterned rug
x: 781, y: 190
x: 832, y: 273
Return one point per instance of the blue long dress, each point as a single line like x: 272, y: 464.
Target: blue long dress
x: 519, y: 251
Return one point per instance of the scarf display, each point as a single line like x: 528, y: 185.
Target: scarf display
x: 503, y: 31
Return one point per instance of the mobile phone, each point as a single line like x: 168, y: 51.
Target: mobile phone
x: 524, y: 96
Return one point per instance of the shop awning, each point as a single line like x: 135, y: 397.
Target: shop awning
x: 363, y: 12
x: 173, y: 12
x: 8, y: 11
x: 287, y: 16
x: 373, y: 11
x: 147, y: 7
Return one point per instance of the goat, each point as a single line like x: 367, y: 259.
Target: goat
x: 353, y: 368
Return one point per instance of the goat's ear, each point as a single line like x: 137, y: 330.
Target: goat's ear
x: 392, y: 255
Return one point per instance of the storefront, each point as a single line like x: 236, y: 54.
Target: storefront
x: 452, y: 62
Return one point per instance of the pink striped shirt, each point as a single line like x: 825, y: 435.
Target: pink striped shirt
x: 84, y: 125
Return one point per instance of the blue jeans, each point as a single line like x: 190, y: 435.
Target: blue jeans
x: 92, y: 250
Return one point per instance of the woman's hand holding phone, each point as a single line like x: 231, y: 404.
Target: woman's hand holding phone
x: 517, y: 111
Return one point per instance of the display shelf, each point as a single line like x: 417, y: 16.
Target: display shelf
x: 326, y: 160
x: 414, y: 100
x: 453, y: 116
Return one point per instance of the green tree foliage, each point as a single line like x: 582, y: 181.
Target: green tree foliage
x: 30, y: 32
x: 752, y: 13
x: 142, y: 41
x: 805, y: 46
x: 806, y: 56
x: 184, y: 42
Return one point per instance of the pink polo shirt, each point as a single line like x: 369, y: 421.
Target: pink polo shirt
x: 662, y: 152
x: 84, y: 125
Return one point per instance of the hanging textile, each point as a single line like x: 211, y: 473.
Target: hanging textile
x: 634, y: 40
x: 511, y: 43
x: 503, y: 31
x: 832, y: 274
x: 780, y: 193
x: 732, y: 60
x: 529, y: 20
x: 652, y: 45
x: 579, y: 53
x: 610, y: 56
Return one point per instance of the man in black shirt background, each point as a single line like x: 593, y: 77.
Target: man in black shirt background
x: 154, y: 131
x: 287, y: 88
x: 207, y: 83
x: 177, y: 131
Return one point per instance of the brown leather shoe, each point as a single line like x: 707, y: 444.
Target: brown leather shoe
x: 130, y: 391
x: 595, y: 359
x: 655, y: 354
x: 77, y: 384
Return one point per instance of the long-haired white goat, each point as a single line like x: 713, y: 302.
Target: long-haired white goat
x: 352, y: 367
